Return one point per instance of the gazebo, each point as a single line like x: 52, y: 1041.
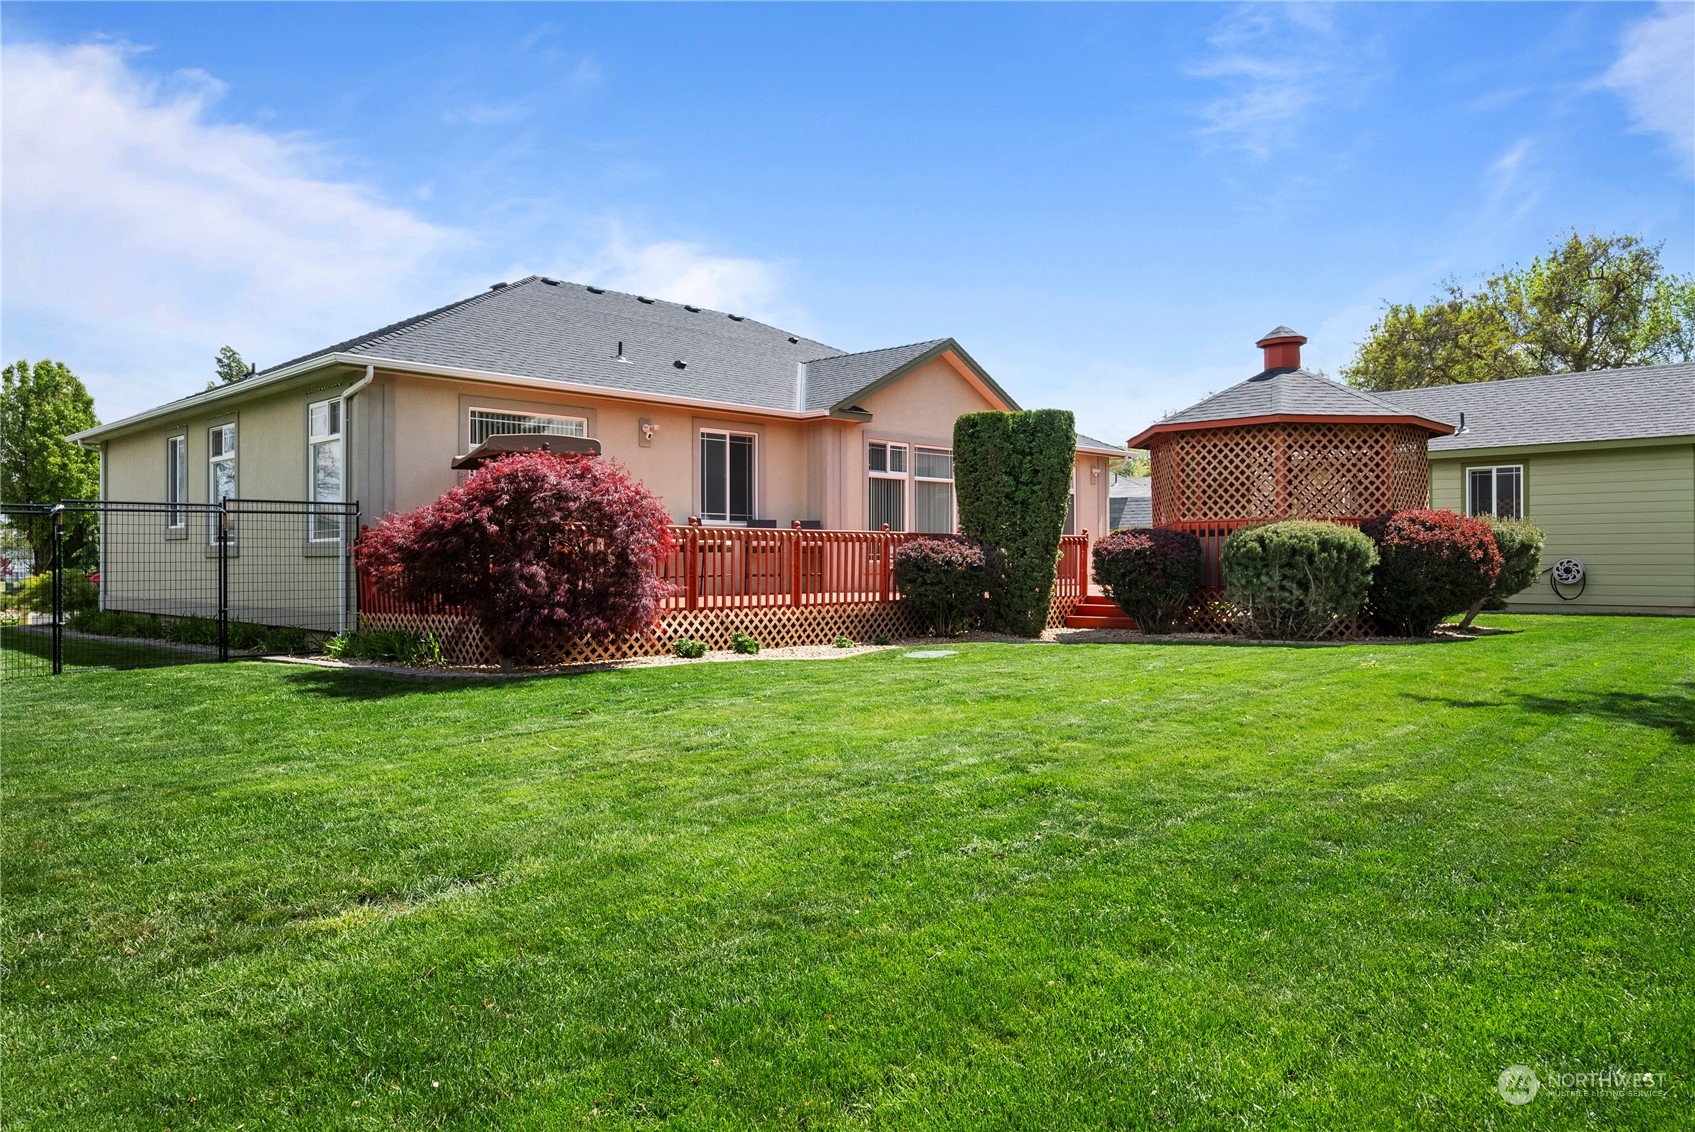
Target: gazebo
x: 1284, y: 444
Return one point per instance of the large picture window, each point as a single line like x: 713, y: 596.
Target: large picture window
x: 726, y: 477
x: 494, y: 422
x: 325, y: 458
x: 887, y: 464
x: 176, y: 481
x: 1496, y: 491
x: 932, y: 490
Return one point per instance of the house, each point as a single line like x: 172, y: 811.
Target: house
x: 1603, y: 461
x: 728, y: 420
x: 1130, y: 501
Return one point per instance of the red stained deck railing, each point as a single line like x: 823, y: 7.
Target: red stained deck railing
x: 752, y: 568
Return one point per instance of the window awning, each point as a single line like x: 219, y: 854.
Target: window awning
x: 506, y: 443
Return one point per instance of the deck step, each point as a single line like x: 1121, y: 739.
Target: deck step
x: 1097, y: 611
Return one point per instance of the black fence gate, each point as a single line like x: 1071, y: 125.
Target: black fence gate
x: 104, y: 584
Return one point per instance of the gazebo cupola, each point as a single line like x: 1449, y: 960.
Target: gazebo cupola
x: 1285, y: 444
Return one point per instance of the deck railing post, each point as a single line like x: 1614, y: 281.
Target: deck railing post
x: 797, y: 558
x: 691, y: 580
x: 1083, y: 565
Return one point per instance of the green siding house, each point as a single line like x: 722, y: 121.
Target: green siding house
x: 1604, y: 461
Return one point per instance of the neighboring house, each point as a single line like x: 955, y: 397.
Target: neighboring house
x: 1130, y: 501
x: 1603, y: 460
x: 726, y: 419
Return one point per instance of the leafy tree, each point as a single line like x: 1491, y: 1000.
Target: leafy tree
x: 1136, y: 463
x: 537, y: 546
x: 1593, y: 302
x: 231, y: 367
x: 40, y: 405
x: 1012, y: 477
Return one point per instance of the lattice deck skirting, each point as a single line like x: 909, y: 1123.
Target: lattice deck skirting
x: 462, y: 640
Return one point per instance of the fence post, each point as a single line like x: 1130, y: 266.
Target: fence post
x: 59, y: 589
x: 1083, y: 566
x: 223, y: 579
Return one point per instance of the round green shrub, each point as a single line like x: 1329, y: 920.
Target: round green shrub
x: 689, y: 649
x: 1150, y: 573
x: 1297, y: 579
x: 943, y: 577
x: 1432, y: 565
x: 744, y: 643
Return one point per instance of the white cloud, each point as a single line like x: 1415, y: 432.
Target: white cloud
x: 140, y: 234
x: 1279, y: 63
x: 687, y: 273
x: 1505, y: 180
x: 1655, y: 75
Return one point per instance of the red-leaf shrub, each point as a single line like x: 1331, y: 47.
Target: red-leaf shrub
x: 1150, y: 572
x: 537, y: 546
x: 1432, y: 564
x: 944, y: 577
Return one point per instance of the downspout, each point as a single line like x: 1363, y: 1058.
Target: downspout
x: 347, y: 396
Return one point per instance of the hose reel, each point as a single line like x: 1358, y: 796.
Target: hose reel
x: 1568, y: 572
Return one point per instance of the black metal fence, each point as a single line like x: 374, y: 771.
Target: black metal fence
x: 129, y: 585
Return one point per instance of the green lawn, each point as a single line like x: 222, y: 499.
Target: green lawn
x: 1022, y: 887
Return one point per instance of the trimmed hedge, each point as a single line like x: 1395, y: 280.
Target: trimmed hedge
x: 1297, y: 579
x: 943, y: 577
x: 1012, y: 478
x: 1150, y: 573
x: 1433, y: 565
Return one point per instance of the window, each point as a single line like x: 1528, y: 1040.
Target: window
x: 888, y: 485
x: 726, y: 477
x: 220, y: 471
x: 324, y: 459
x: 493, y: 422
x: 932, y: 490
x: 176, y: 481
x: 1495, y: 491
x: 1070, y: 514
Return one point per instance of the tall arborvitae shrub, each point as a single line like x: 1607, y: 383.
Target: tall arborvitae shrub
x: 1432, y: 565
x: 536, y: 546
x: 1012, y: 477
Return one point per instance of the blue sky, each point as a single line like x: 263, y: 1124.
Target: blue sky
x: 1106, y: 204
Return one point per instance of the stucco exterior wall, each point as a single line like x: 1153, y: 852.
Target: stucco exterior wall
x: 1627, y: 512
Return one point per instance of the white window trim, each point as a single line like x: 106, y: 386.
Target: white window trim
x: 904, y: 476
x: 473, y: 410
x: 953, y: 501
x: 314, y: 441
x: 212, y: 479
x: 1494, y: 471
x: 753, y: 486
x: 176, y: 481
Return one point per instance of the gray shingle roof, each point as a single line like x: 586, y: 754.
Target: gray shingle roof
x: 1612, y: 404
x: 1130, y: 501
x: 1287, y: 392
x: 1090, y: 442
x: 830, y: 380
x: 539, y: 327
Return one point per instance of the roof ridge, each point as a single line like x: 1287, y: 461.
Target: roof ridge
x: 877, y: 350
x: 1570, y: 373
x: 597, y: 289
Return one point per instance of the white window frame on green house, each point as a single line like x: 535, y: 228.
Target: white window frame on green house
x: 929, y: 489
x: 325, y: 448
x: 1475, y: 473
x: 886, y: 463
x: 222, y: 443
x: 711, y: 469
x: 176, y: 485
x: 484, y: 423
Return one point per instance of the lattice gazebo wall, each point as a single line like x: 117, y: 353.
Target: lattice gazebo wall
x: 1215, y: 480
x: 1256, y: 473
